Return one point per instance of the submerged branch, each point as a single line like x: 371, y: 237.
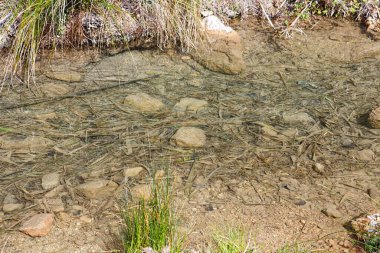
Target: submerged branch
x: 78, y: 94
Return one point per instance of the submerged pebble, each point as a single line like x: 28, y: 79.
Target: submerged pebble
x: 374, y: 118
x: 189, y: 137
x: 50, y: 181
x: 319, y: 168
x: 142, y: 191
x: 67, y: 76
x: 132, y: 172
x: 297, y: 118
x: 332, y: 211
x: 144, y: 103
x: 38, y: 225
x: 99, y: 189
x: 374, y: 193
x: 11, y: 203
x: 365, y: 155
x: 190, y: 105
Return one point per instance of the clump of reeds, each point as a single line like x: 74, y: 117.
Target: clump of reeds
x: 170, y: 22
x: 151, y: 224
x: 39, y: 22
x: 233, y: 240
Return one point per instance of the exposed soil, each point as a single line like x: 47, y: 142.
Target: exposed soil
x: 262, y: 168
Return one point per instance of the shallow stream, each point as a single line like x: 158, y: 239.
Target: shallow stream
x: 301, y: 102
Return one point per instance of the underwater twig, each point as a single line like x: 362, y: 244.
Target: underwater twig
x: 77, y: 94
x: 5, y: 19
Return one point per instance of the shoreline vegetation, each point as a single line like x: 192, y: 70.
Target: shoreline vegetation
x: 28, y: 26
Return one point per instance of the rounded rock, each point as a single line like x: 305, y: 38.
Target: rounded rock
x: 160, y: 174
x: 11, y: 203
x: 365, y: 155
x: 50, y: 181
x: 331, y: 211
x: 319, y: 168
x: 66, y: 76
x: 223, y: 50
x: 300, y: 202
x: 132, y: 172
x: 297, y: 118
x: 374, y: 118
x: 142, y: 191
x: 38, y: 225
x: 55, y: 205
x: 144, y: 103
x: 189, y: 137
x: 99, y: 189
x: 374, y: 193
x: 85, y: 219
x: 54, y: 90
x: 190, y: 105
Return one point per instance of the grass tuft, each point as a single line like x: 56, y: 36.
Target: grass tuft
x: 152, y: 223
x: 170, y: 22
x: 292, y: 249
x: 234, y: 240
x: 35, y: 22
x: 370, y: 244
x: 33, y: 18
